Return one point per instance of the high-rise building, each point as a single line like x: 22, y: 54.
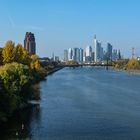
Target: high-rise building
x: 101, y: 53
x: 65, y: 55
x: 70, y: 54
x: 57, y: 58
x: 81, y: 55
x: 88, y: 54
x: 119, y: 54
x: 76, y: 54
x: 109, y: 51
x: 98, y: 53
x: 88, y: 51
x: 29, y: 43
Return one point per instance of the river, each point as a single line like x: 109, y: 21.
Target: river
x: 85, y: 103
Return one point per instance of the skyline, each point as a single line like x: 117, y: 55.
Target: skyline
x: 60, y: 25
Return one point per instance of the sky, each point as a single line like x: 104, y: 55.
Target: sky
x: 63, y: 24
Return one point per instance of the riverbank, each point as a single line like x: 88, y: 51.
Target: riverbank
x: 95, y: 110
x: 134, y: 72
x: 131, y: 72
x: 34, y: 99
x: 54, y: 70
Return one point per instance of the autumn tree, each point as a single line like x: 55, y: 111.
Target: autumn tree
x: 1, y: 58
x: 21, y: 55
x: 133, y: 64
x: 8, y: 52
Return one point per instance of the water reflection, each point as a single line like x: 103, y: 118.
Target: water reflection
x: 19, y: 126
x: 82, y: 104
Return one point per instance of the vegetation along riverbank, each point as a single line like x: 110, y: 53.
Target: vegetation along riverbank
x: 131, y: 66
x: 19, y: 74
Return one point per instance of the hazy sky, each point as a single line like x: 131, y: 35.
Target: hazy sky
x: 60, y: 24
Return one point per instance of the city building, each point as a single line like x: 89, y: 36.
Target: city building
x: 116, y: 55
x: 70, y: 54
x: 81, y: 55
x: 29, y: 43
x: 65, y: 55
x: 57, y: 58
x: 88, y: 54
x: 98, y: 50
x: 109, y: 51
x: 119, y: 54
x: 76, y: 54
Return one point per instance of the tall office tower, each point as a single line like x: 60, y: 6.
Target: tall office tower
x: 119, y: 54
x: 97, y: 46
x: 76, y: 54
x: 65, y: 55
x: 92, y: 57
x: 29, y: 43
x: 88, y: 54
x: 109, y: 51
x: 70, y: 54
x: 101, y: 53
x: 81, y: 55
x: 115, y: 55
x: 95, y: 49
x: 88, y: 51
x: 84, y: 56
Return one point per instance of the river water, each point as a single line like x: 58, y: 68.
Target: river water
x: 84, y: 103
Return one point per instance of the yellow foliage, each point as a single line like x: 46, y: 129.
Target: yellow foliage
x: 133, y: 64
x: 8, y: 52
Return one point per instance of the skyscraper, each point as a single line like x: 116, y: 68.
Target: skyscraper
x: 88, y: 54
x: 98, y: 53
x: 65, y: 55
x: 29, y: 43
x: 109, y: 51
x: 81, y: 55
x: 76, y: 54
x: 95, y: 47
x: 70, y: 54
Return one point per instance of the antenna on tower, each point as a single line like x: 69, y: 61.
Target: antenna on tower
x: 133, y: 52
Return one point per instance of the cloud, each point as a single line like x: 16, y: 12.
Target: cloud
x: 11, y: 21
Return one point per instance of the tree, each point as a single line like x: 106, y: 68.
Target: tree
x: 133, y: 64
x: 1, y: 58
x: 16, y: 80
x: 72, y: 62
x: 8, y: 52
x: 21, y: 55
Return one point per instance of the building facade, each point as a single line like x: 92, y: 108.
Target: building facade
x: 88, y: 54
x: 29, y: 43
x: 109, y: 51
x: 81, y: 52
x: 70, y: 54
x: 65, y: 55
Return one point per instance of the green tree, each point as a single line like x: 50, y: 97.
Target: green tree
x: 16, y: 80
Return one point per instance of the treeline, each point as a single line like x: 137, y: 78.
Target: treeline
x: 127, y: 64
x: 19, y: 71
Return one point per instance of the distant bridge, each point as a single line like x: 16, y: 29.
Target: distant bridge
x: 81, y: 65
